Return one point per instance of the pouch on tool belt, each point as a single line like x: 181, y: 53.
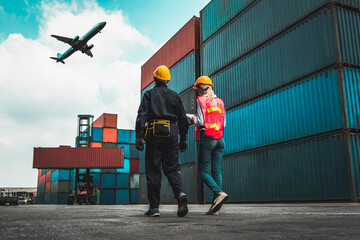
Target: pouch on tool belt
x: 160, y: 128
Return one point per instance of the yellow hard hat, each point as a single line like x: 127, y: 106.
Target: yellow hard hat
x: 163, y: 73
x: 204, y: 80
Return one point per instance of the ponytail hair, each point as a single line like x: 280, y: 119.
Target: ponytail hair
x: 211, y: 95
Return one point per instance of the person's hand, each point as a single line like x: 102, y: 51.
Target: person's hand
x: 139, y: 144
x: 182, y: 146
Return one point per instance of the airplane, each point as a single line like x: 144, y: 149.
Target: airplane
x: 78, y: 44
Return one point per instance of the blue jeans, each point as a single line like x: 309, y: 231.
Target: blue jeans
x: 210, y: 154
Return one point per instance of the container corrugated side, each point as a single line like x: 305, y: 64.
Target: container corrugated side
x: 351, y: 3
x: 142, y: 161
x: 122, y: 181
x: 143, y: 189
x: 292, y: 56
x: 123, y: 136
x: 351, y: 82
x: 70, y: 158
x: 307, y: 108
x: 185, y: 73
x: 354, y: 155
x: 108, y: 120
x: 190, y: 155
x: 251, y: 28
x: 122, y: 196
x: 314, y: 169
x: 60, y: 186
x: 217, y: 13
x: 183, y: 42
x: 107, y: 196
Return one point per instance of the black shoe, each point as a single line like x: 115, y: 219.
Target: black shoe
x: 182, y: 204
x: 152, y: 212
x: 219, y: 201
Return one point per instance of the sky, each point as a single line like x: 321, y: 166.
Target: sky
x: 41, y: 99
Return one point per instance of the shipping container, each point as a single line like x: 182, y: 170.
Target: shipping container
x: 48, y: 187
x: 122, y: 181
x: 96, y: 180
x: 143, y: 199
x: 134, y: 153
x: 307, y: 108
x: 313, y: 169
x: 107, y: 196
x: 126, y: 168
x: 107, y: 180
x: 70, y: 158
x: 185, y: 73
x: 48, y: 176
x: 134, y: 181
x: 126, y: 149
x: 41, y: 180
x: 351, y: 85
x: 96, y: 144
x: 107, y: 120
x: 134, y: 196
x: 218, y: 12
x: 290, y: 57
x: 62, y: 175
x: 40, y: 199
x: 123, y: 136
x: 183, y: 42
x: 58, y: 198
x: 109, y: 145
x: 133, y: 137
x: 134, y: 165
x: 47, y: 198
x: 142, y: 161
x: 353, y: 140
x: 191, y: 154
x: 60, y: 186
x: 97, y: 134
x: 122, y: 196
x: 41, y: 189
x: 109, y: 135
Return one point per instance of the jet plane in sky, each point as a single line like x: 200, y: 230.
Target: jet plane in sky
x: 78, y: 44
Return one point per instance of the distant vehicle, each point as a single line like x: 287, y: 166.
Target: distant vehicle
x: 78, y: 44
x: 22, y: 201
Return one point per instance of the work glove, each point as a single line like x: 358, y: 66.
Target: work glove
x: 139, y: 144
x: 182, y: 146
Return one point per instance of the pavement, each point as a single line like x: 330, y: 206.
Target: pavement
x: 235, y: 221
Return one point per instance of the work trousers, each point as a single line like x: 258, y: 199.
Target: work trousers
x: 162, y: 152
x: 210, y: 156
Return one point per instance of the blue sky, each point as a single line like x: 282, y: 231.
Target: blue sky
x: 40, y: 99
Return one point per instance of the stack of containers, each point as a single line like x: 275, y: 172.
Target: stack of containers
x: 288, y: 72
x: 40, y: 195
x: 116, y: 186
x: 181, y: 55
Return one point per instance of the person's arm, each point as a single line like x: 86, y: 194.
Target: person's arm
x: 142, y: 115
x: 199, y: 118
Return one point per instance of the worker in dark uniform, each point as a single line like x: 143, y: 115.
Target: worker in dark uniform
x: 158, y: 113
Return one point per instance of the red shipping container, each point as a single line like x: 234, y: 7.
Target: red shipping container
x: 96, y: 144
x: 183, y: 42
x: 48, y: 176
x: 108, y: 120
x: 134, y: 165
x: 110, y: 135
x: 69, y: 158
x: 48, y: 187
x: 41, y: 180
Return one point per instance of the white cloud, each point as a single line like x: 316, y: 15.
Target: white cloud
x: 40, y: 99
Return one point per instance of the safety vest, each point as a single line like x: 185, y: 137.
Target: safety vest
x: 214, y: 117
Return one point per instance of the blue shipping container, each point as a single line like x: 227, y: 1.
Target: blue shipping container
x: 122, y: 196
x: 134, y: 196
x: 122, y: 181
x: 108, y: 180
x: 123, y: 136
x: 126, y: 168
x: 97, y: 134
x: 107, y: 196
x: 126, y: 150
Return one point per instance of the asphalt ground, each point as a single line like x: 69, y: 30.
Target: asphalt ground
x: 235, y: 221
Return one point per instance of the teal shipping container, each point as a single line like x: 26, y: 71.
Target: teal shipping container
x: 143, y: 190
x: 313, y: 169
x: 126, y: 168
x: 58, y: 198
x: 62, y: 175
x: 134, y: 153
x: 97, y: 134
x: 142, y: 161
x: 126, y: 149
x: 353, y: 140
x: 122, y: 181
x: 107, y: 196
x: 190, y: 155
x: 290, y: 57
x: 185, y: 72
x: 124, y: 136
x: 122, y: 196
x: 107, y: 180
x: 134, y: 196
x: 311, y: 107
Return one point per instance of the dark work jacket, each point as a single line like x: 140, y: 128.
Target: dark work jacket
x: 161, y: 103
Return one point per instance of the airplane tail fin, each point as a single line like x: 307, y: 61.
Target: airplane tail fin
x: 58, y: 59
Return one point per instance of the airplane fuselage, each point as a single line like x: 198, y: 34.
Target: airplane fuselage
x: 79, y: 44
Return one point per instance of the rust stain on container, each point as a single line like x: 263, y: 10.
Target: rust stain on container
x: 183, y: 42
x: 68, y: 158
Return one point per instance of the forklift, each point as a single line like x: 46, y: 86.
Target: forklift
x: 85, y: 192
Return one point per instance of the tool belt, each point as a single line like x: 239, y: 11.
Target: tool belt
x: 158, y: 128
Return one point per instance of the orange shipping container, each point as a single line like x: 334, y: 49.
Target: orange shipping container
x: 41, y: 180
x: 48, y: 176
x: 109, y: 135
x: 96, y: 144
x: 48, y: 187
x: 107, y: 120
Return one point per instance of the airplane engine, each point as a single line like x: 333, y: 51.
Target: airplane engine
x: 75, y: 39
x: 90, y: 46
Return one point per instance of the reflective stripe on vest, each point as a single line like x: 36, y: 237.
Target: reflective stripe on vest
x: 214, y: 116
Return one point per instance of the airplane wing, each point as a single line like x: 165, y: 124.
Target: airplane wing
x: 86, y: 49
x: 64, y: 39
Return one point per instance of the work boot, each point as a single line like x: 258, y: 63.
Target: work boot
x: 152, y: 212
x: 182, y: 204
x: 219, y: 201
